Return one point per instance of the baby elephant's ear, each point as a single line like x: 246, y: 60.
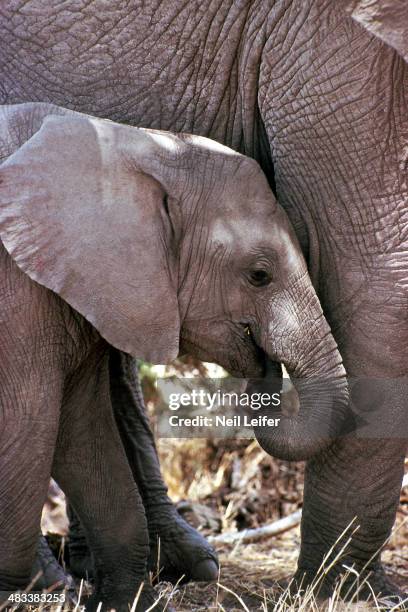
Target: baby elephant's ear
x: 79, y: 217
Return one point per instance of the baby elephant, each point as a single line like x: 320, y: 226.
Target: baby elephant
x: 156, y: 244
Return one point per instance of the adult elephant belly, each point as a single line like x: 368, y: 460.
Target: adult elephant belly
x: 183, y: 66
x: 335, y: 110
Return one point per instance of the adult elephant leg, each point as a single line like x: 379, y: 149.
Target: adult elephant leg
x: 91, y: 466
x: 345, y: 486
x: 183, y: 551
x: 354, y: 487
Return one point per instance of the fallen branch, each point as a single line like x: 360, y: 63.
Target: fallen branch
x: 272, y: 529
x: 252, y: 535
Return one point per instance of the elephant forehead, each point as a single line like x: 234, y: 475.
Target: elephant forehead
x: 266, y: 239
x: 252, y: 231
x: 249, y: 190
x: 238, y: 230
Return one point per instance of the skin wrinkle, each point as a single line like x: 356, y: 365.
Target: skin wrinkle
x: 31, y: 386
x: 298, y: 302
x: 354, y: 504
x: 166, y: 103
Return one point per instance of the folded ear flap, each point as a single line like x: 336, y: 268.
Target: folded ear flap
x: 386, y: 19
x: 79, y: 217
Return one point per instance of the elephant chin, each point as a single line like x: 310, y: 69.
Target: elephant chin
x: 323, y: 403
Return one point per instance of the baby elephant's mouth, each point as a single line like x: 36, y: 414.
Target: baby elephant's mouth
x: 230, y: 344
x: 259, y: 355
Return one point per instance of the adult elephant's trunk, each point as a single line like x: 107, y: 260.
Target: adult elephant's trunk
x: 319, y: 378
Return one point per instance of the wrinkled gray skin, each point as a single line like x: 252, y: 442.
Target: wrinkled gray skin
x: 183, y: 552
x: 154, y: 244
x: 316, y: 91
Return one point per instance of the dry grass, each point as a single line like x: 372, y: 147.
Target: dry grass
x: 248, y: 488
x: 248, y: 582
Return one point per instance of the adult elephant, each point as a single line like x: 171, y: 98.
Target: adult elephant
x: 316, y: 90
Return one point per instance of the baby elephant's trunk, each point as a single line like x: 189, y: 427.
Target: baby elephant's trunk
x: 319, y: 378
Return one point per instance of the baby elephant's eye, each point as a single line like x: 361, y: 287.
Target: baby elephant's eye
x: 259, y: 277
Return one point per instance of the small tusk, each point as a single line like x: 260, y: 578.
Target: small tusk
x: 247, y: 330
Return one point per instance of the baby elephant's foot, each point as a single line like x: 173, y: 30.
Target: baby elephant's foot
x: 184, y: 553
x: 50, y: 573
x: 147, y: 599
